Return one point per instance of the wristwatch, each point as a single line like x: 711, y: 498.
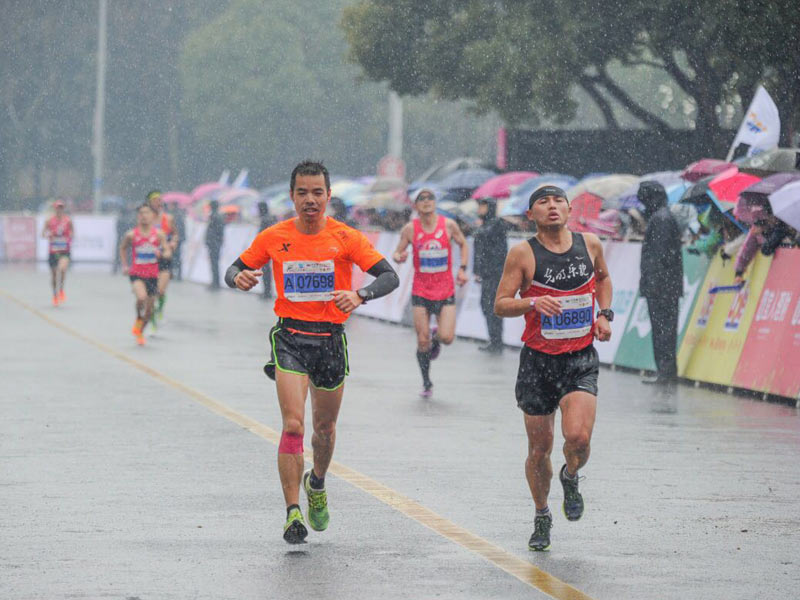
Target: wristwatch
x: 363, y: 294
x: 607, y: 313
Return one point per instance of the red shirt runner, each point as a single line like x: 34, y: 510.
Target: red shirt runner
x: 146, y: 250
x: 433, y: 262
x: 59, y: 234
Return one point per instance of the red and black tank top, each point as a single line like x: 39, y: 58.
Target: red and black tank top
x: 146, y: 250
x: 568, y: 276
x: 433, y: 262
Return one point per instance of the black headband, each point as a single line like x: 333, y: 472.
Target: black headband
x: 546, y: 190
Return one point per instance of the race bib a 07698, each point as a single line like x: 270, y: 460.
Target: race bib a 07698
x: 575, y: 320
x: 308, y: 281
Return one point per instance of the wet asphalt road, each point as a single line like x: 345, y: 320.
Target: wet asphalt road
x: 117, y: 484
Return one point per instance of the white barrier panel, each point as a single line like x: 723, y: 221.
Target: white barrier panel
x: 194, y: 253
x: 395, y: 306
x: 623, y: 260
x: 95, y: 238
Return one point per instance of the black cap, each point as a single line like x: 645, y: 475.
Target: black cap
x: 546, y: 190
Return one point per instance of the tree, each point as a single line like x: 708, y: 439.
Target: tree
x: 522, y: 58
x: 267, y: 84
x: 46, y: 119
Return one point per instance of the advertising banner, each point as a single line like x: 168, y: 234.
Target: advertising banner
x: 19, y: 236
x: 636, y: 348
x: 95, y: 238
x: 623, y: 260
x: 718, y: 328
x: 770, y: 359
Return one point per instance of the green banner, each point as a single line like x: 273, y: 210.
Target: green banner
x: 636, y: 348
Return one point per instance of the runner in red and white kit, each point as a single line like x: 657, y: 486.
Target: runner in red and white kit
x: 559, y: 276
x: 147, y: 245
x: 433, y: 293
x: 164, y: 222
x: 59, y: 232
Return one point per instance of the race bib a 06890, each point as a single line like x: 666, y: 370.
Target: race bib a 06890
x: 308, y: 281
x: 575, y: 320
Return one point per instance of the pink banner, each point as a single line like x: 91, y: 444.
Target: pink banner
x: 19, y: 235
x: 771, y: 354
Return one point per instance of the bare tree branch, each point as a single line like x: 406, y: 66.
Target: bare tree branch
x: 629, y: 103
x: 588, y: 84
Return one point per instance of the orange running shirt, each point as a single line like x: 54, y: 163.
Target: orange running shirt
x: 307, y: 268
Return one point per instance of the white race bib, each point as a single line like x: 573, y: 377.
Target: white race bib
x: 433, y: 260
x: 308, y: 281
x: 146, y: 254
x: 58, y: 244
x: 575, y: 320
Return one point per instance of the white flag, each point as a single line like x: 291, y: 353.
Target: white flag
x: 760, y: 128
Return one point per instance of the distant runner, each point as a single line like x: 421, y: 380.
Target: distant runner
x: 432, y: 292
x: 559, y: 276
x: 147, y: 245
x: 59, y: 232
x: 164, y: 222
x: 312, y: 257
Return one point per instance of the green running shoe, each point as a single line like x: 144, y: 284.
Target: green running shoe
x: 294, y: 531
x: 540, y: 538
x: 318, y: 516
x: 573, y: 501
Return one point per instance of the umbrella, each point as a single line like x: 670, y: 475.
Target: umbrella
x: 239, y: 196
x: 388, y: 194
x: 500, y: 185
x: 440, y: 171
x: 604, y: 186
x: 772, y: 161
x: 727, y: 185
x: 671, y: 180
x: 518, y: 201
x: 351, y: 192
x: 181, y: 199
x: 785, y: 204
x: 587, y: 215
x: 705, y: 167
x: 206, y: 190
x: 467, y: 179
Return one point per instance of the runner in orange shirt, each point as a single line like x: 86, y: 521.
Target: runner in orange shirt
x: 312, y: 257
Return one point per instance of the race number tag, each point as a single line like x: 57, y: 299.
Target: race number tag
x: 575, y: 320
x: 58, y: 244
x: 433, y: 260
x: 146, y: 254
x: 308, y: 281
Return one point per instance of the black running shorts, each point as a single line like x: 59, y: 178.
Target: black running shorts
x: 544, y: 379
x: 54, y: 257
x: 318, y: 350
x: 150, y: 284
x: 434, y: 307
x: 164, y: 264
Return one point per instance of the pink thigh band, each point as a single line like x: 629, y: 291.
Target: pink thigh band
x: 291, y: 443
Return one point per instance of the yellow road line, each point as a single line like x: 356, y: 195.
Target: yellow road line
x: 511, y: 564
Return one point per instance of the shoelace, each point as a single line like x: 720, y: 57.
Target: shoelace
x: 316, y: 499
x: 542, y: 525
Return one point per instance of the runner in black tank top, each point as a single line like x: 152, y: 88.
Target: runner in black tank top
x: 558, y: 275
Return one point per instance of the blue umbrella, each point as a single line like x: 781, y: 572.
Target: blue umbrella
x: 518, y: 201
x: 466, y: 179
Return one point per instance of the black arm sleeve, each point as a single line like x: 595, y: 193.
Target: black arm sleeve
x: 386, y: 280
x: 237, y: 267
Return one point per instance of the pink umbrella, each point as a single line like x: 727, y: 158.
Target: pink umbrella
x: 231, y: 195
x: 729, y: 184
x: 500, y: 186
x: 205, y: 190
x: 181, y: 199
x: 705, y: 167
